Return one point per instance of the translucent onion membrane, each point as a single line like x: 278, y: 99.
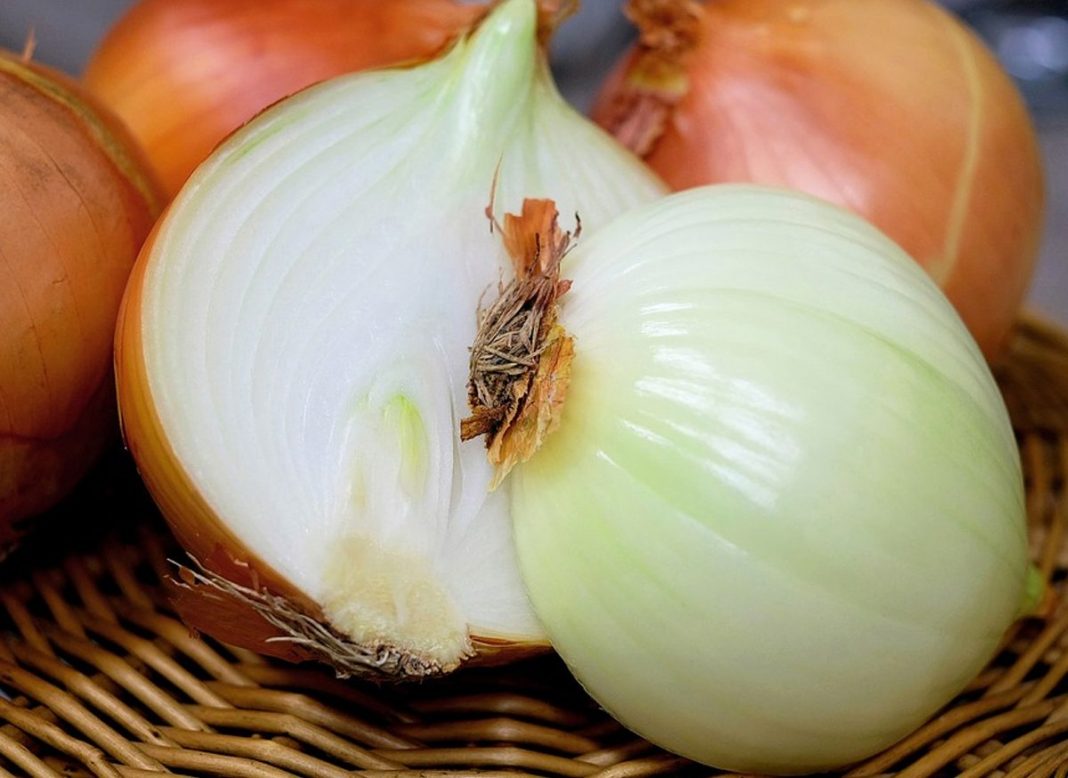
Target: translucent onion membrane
x: 890, y: 108
x: 294, y: 345
x: 781, y: 522
x: 183, y: 74
x: 77, y: 203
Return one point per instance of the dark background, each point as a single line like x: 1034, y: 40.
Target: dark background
x: 1030, y: 37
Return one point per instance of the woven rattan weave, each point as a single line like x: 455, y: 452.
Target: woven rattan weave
x: 102, y: 679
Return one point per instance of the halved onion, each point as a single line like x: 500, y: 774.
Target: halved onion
x: 293, y: 355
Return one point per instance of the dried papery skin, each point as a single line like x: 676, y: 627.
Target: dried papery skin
x: 638, y: 112
x: 890, y: 108
x: 77, y: 204
x: 521, y: 358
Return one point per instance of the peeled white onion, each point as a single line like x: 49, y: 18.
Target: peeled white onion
x: 293, y: 354
x: 781, y: 521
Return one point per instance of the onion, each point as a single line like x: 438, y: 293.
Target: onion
x: 780, y: 521
x: 293, y: 347
x: 77, y: 204
x: 890, y: 108
x: 185, y: 73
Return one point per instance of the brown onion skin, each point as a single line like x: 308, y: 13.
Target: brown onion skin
x: 183, y: 74
x: 203, y: 533
x: 77, y: 201
x: 888, y: 107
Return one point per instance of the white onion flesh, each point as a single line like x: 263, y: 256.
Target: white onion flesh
x: 781, y: 522
x: 309, y: 304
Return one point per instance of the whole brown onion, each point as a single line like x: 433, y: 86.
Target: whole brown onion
x: 77, y: 202
x: 889, y: 107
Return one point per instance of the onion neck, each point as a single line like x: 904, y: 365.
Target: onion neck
x: 656, y: 79
x: 495, y: 71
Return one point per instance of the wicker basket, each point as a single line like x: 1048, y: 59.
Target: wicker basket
x: 102, y: 679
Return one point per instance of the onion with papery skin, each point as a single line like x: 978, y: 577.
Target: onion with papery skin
x: 77, y: 203
x: 891, y: 108
x: 293, y: 348
x: 781, y: 520
x: 183, y: 74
